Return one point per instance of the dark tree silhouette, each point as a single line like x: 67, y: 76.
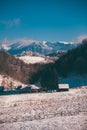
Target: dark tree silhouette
x: 74, y: 60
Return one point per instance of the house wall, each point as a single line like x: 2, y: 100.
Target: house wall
x: 63, y: 90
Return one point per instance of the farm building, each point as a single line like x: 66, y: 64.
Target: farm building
x: 28, y: 88
x: 63, y: 87
x: 35, y: 88
x: 25, y: 89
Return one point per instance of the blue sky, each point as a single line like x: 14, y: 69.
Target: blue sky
x: 51, y: 20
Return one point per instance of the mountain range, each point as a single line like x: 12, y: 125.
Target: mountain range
x: 73, y: 61
x: 44, y: 47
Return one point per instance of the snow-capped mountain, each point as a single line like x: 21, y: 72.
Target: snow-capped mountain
x: 43, y: 47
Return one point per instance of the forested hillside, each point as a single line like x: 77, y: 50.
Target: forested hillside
x: 28, y: 73
x: 16, y: 68
x: 74, y: 60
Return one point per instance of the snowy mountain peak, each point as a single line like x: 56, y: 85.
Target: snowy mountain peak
x: 5, y: 47
x: 44, y: 42
x: 64, y: 42
x: 18, y: 46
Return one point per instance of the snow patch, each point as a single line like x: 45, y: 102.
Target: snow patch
x: 5, y: 47
x: 66, y: 42
x: 7, y: 81
x: 32, y: 59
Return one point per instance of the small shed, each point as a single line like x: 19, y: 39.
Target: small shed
x: 35, y: 88
x: 63, y: 87
x: 25, y: 89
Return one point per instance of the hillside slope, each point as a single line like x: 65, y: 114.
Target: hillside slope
x: 13, y: 67
x: 8, y: 82
x: 28, y: 73
x: 16, y: 68
x: 74, y: 60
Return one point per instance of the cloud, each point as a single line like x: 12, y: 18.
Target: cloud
x: 19, y: 40
x: 10, y: 23
x: 24, y: 41
x: 81, y: 38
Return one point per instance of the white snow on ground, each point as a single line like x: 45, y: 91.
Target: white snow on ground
x: 45, y: 111
x: 1, y: 78
x: 55, y: 123
x: 4, y: 46
x: 7, y: 81
x: 32, y: 59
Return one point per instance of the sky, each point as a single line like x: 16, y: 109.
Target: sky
x: 50, y: 20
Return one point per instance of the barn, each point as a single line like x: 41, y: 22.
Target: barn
x: 63, y: 87
x: 35, y: 88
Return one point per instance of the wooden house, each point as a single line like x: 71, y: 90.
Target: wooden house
x: 63, y: 87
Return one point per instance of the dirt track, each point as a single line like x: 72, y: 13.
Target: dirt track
x: 45, y: 111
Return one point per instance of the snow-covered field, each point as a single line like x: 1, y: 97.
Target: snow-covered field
x: 32, y: 59
x: 45, y: 111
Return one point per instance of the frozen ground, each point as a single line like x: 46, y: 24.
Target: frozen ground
x: 32, y: 59
x: 45, y: 111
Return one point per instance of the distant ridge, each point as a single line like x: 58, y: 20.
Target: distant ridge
x: 74, y: 60
x: 43, y: 47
